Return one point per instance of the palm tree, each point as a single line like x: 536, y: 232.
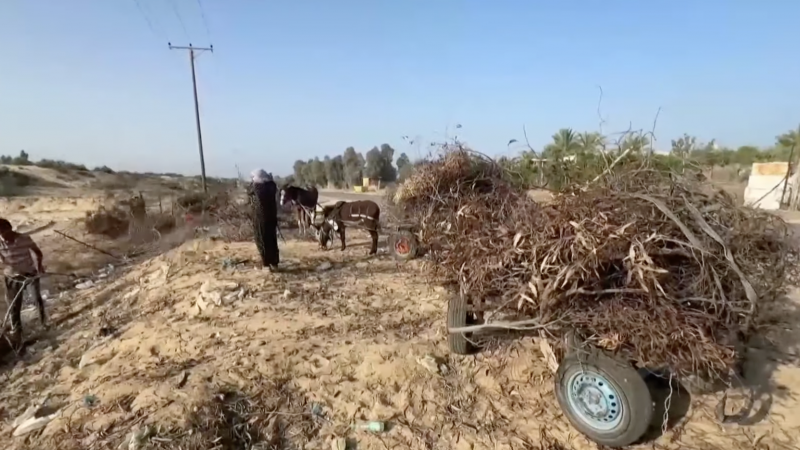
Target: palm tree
x: 787, y: 145
x: 590, y: 142
x: 565, y: 143
x: 637, y: 143
x: 790, y: 138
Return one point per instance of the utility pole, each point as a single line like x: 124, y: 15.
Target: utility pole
x: 192, y: 51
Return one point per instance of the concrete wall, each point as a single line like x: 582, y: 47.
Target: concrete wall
x: 765, y: 185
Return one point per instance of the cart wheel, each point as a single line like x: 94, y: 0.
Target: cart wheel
x: 404, y: 245
x: 459, y: 316
x: 606, y: 400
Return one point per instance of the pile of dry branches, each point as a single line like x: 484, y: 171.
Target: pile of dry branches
x: 235, y: 221
x: 662, y: 269
x: 111, y: 222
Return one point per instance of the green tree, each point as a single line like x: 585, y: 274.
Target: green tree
x: 353, y: 167
x: 23, y: 159
x: 637, y: 143
x: 746, y: 155
x: 404, y: 167
x: 590, y: 142
x: 374, y: 164
x: 683, y: 146
x: 565, y: 143
x: 317, y: 171
x: 334, y: 171
x: 308, y: 174
x: 790, y: 139
x: 299, y: 171
x: 388, y: 172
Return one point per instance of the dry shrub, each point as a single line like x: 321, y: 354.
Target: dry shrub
x: 197, y: 202
x: 113, y: 222
x: 162, y: 222
x: 270, y: 416
x: 660, y: 269
x: 235, y: 221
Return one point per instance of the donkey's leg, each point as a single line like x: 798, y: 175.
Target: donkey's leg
x: 374, y: 235
x: 341, y: 236
x: 300, y: 224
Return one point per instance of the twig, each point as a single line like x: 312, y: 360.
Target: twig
x: 87, y: 245
x: 528, y: 324
x: 38, y: 229
x: 608, y: 169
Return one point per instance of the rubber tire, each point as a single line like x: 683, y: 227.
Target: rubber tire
x: 637, y: 404
x: 413, y: 245
x: 457, y: 317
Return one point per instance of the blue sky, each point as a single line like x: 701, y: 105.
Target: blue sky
x: 91, y: 81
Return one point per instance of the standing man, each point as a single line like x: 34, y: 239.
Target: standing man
x: 263, y: 197
x: 22, y: 267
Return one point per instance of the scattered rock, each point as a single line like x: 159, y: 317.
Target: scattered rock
x: 430, y: 363
x: 232, y: 263
x: 136, y: 439
x: 200, y: 305
x: 238, y: 295
x: 85, y: 285
x: 324, y: 266
x: 130, y: 294
x: 286, y: 294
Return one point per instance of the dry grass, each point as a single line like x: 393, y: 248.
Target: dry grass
x: 269, y: 415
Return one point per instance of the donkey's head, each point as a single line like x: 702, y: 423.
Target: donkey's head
x: 288, y: 195
x: 326, y: 229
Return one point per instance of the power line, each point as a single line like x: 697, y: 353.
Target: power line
x: 203, y: 16
x: 148, y: 21
x: 192, y: 51
x: 180, y: 19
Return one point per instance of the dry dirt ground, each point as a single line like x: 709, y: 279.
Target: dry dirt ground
x: 333, y: 339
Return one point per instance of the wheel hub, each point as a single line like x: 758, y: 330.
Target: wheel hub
x: 594, y: 400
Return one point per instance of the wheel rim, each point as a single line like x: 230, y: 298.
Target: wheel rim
x: 594, y: 400
x: 401, y: 246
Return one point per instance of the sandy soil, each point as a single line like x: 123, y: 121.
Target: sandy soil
x: 348, y: 338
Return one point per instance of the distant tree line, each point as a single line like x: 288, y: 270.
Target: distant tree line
x: 575, y: 157
x: 23, y: 159
x: 351, y: 167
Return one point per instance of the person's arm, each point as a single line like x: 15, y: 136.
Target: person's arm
x: 38, y: 253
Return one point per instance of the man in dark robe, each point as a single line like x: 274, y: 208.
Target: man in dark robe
x: 263, y: 197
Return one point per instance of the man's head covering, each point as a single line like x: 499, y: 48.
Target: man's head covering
x: 260, y: 176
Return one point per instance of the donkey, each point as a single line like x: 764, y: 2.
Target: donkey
x: 303, y: 200
x: 364, y: 214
